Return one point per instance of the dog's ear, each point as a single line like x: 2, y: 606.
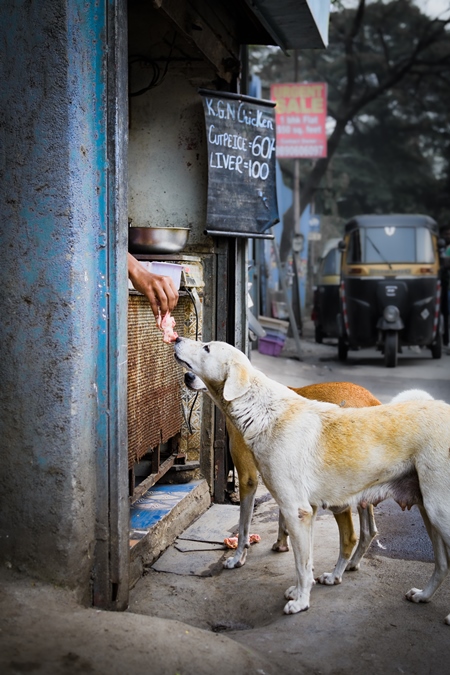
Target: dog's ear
x: 237, y: 382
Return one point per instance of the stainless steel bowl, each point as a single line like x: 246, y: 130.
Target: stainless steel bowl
x: 157, y: 239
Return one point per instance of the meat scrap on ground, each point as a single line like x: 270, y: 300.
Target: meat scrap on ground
x: 232, y: 542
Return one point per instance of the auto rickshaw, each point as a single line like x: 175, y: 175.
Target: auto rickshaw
x: 326, y: 293
x: 390, y: 286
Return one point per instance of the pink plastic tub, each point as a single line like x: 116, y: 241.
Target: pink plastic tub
x: 270, y: 346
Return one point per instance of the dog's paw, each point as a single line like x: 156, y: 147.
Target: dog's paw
x: 295, y: 606
x: 416, y: 595
x: 235, y: 561
x: 329, y: 579
x: 353, y: 567
x: 232, y: 564
x: 278, y: 547
x: 291, y: 593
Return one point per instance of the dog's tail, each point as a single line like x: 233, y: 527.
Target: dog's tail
x: 412, y: 395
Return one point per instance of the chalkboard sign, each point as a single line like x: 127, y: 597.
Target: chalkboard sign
x: 240, y: 132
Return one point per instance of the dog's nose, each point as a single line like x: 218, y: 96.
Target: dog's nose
x: 189, y: 377
x: 177, y: 340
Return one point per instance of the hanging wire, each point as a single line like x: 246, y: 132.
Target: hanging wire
x: 156, y: 78
x: 194, y: 401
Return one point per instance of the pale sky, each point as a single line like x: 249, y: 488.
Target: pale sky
x: 435, y: 8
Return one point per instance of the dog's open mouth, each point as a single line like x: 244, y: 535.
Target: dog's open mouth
x: 185, y: 364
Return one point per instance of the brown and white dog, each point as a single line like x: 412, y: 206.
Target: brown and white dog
x: 312, y: 454
x: 344, y: 394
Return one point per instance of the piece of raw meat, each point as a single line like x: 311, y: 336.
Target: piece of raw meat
x: 232, y: 542
x: 166, y: 324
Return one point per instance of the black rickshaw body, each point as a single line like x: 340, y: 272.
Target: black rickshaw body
x: 390, y: 286
x: 326, y: 302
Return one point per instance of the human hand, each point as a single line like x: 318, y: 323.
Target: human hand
x: 159, y: 290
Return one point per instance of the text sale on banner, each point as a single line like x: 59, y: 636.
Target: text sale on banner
x: 300, y: 113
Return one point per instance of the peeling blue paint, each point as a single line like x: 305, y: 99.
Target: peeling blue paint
x: 60, y: 252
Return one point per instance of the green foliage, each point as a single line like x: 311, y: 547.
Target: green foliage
x: 387, y: 68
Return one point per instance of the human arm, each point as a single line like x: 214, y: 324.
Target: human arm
x: 160, y: 290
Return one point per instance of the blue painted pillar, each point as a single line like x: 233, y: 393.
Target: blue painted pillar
x: 63, y: 300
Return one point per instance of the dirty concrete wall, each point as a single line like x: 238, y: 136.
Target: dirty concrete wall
x: 52, y: 247
x: 167, y: 158
x: 168, y: 171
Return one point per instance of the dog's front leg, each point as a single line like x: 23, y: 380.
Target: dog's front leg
x: 245, y: 517
x: 299, y: 526
x: 248, y: 482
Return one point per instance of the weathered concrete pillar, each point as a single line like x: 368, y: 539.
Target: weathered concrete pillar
x: 63, y: 294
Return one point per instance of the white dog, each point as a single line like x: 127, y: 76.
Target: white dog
x: 313, y: 454
x: 349, y: 556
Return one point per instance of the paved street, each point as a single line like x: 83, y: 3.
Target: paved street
x: 416, y: 369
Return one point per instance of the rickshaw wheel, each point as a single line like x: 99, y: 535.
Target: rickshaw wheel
x: 391, y: 349
x: 436, y: 348
x: 342, y: 349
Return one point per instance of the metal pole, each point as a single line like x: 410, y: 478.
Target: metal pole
x: 286, y: 298
x: 296, y: 209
